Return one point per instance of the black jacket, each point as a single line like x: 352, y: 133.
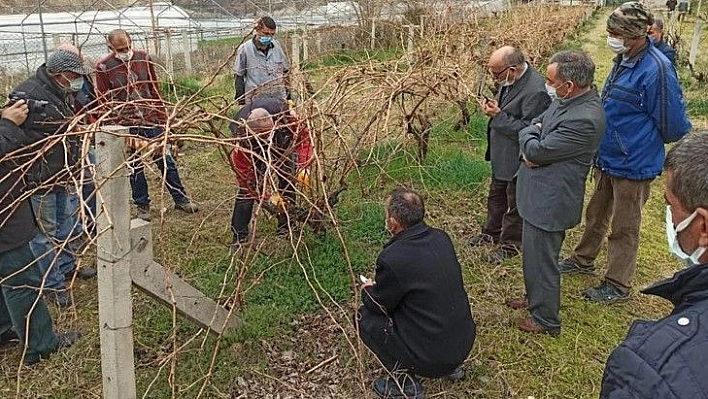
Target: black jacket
x: 665, y: 358
x: 16, y: 220
x: 51, y: 119
x: 419, y: 288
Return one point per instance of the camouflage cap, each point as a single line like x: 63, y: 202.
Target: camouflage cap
x: 630, y: 20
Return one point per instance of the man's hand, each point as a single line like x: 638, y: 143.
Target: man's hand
x: 16, y: 113
x: 528, y: 163
x: 490, y: 107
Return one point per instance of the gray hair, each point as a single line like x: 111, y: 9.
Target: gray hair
x: 514, y: 57
x: 574, y: 66
x: 406, y: 206
x: 688, y: 162
x: 659, y: 24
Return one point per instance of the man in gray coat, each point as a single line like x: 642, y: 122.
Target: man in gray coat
x: 521, y: 97
x: 557, y: 150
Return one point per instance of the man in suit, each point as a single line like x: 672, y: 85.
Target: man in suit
x: 521, y: 97
x: 557, y: 149
x: 416, y: 315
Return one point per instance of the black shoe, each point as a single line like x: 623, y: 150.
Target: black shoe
x: 390, y: 388
x: 188, y: 207
x: 65, y: 340
x: 504, y: 252
x: 457, y: 375
x: 482, y: 240
x: 605, y: 293
x: 9, y: 337
x: 84, y: 273
x: 144, y: 212
x: 59, y: 298
x: 568, y: 266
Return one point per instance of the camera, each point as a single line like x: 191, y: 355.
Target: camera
x: 35, y: 106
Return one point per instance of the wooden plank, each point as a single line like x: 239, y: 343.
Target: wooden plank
x: 115, y: 312
x: 696, y: 40
x: 171, y: 290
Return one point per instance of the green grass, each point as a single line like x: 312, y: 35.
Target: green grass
x: 350, y: 57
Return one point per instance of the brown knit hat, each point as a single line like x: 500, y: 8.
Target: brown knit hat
x: 630, y: 20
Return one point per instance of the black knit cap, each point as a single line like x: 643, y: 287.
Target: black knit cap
x: 66, y: 61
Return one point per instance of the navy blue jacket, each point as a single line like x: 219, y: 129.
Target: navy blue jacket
x: 665, y: 358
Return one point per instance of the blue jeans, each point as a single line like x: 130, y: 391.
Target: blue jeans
x: 138, y: 182
x: 56, y: 222
x: 18, y: 302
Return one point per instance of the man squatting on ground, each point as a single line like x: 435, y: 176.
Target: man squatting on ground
x: 415, y: 315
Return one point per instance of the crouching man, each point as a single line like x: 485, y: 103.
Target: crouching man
x: 416, y: 315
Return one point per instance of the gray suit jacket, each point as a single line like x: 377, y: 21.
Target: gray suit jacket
x: 525, y: 100
x: 550, y: 196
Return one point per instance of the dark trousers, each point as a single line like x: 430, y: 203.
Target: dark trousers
x: 243, y: 208
x: 503, y: 220
x: 19, y: 301
x: 163, y: 160
x: 541, y: 276
x: 380, y: 338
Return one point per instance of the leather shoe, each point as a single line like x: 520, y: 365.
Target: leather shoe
x: 187, y: 207
x: 528, y: 324
x: 517, y: 303
x: 9, y: 337
x: 457, y: 375
x: 404, y: 386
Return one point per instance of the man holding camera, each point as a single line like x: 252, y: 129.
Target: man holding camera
x: 23, y: 317
x: 49, y: 117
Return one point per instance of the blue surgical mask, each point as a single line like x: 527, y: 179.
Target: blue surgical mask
x: 672, y: 237
x: 265, y: 40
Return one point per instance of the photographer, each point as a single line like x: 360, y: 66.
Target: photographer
x: 18, y: 271
x: 47, y: 95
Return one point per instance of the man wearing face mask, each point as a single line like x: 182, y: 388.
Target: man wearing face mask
x: 656, y: 34
x: 557, y: 148
x: 415, y: 315
x: 666, y: 358
x: 645, y: 109
x: 521, y: 97
x: 126, y: 87
x: 261, y: 67
x: 55, y: 82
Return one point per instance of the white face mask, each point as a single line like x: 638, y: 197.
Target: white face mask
x: 77, y: 84
x: 551, y: 92
x: 616, y: 44
x: 672, y: 237
x: 126, y: 56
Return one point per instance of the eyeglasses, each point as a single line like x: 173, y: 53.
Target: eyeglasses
x: 498, y: 75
